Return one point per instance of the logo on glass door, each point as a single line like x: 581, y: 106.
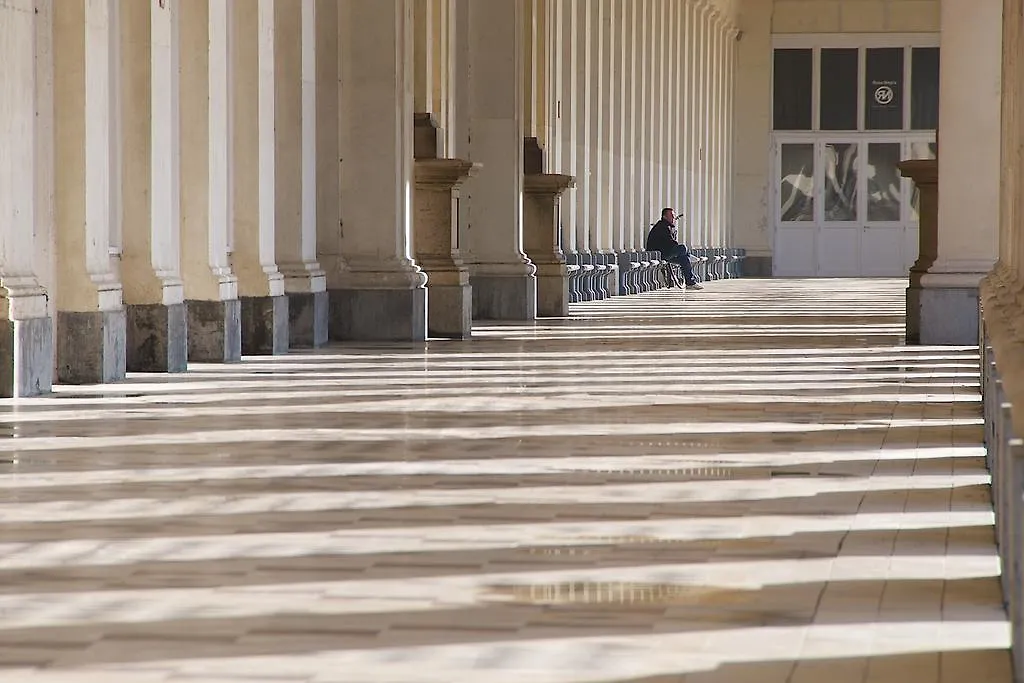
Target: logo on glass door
x: 884, y: 95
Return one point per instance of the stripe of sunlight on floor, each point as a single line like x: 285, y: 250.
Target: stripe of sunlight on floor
x: 756, y: 482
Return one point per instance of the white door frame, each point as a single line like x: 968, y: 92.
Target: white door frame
x: 819, y: 139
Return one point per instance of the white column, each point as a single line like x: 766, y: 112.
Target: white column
x: 582, y: 166
x: 716, y: 128
x: 504, y: 286
x: 690, y: 127
x: 377, y: 167
x: 328, y: 169
x: 264, y: 307
x: 671, y: 99
x: 165, y: 185
x: 294, y: 163
x: 221, y: 146
x: 596, y: 136
x: 730, y: 144
x: 214, y: 332
x: 91, y: 318
x: 627, y: 109
x: 618, y: 125
x: 26, y: 203
x: 946, y: 297
x: 645, y: 212
x: 568, y: 75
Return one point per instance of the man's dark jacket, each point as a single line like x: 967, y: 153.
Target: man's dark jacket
x: 660, y: 238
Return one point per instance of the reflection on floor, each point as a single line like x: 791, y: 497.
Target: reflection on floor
x: 753, y: 483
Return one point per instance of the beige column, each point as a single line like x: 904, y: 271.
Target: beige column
x: 671, y: 98
x: 438, y: 179
x: 151, y: 186
x: 328, y: 142
x: 627, y: 116
x: 377, y: 178
x: 91, y: 316
x: 714, y: 132
x: 641, y: 179
x: 264, y: 305
x: 295, y: 162
x: 582, y: 168
x: 688, y: 227
x: 596, y: 140
x: 207, y: 182
x: 26, y: 202
x: 567, y: 112
x: 503, y: 278
x: 945, y: 299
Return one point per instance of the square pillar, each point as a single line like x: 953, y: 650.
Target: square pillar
x: 151, y: 186
x: 381, y: 293
x: 211, y: 288
x: 26, y: 204
x: 261, y: 292
x: 503, y: 278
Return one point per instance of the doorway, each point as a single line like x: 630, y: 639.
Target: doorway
x: 841, y: 207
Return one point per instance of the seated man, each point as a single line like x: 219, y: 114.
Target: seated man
x: 662, y: 237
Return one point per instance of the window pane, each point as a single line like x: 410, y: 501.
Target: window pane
x: 839, y: 79
x: 884, y: 89
x: 924, y: 95
x: 797, y: 184
x: 793, y: 89
x: 884, y: 182
x: 919, y: 150
x: 841, y: 181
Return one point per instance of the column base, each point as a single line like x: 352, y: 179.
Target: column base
x: 91, y: 346
x: 264, y: 325
x: 450, y: 314
x: 214, y: 331
x: 26, y: 357
x: 942, y: 316
x: 499, y: 297
x: 157, y: 338
x: 552, y: 295
x: 378, y: 314
x: 308, y: 316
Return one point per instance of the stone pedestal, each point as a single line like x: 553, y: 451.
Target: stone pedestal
x: 541, y: 240
x: 308, y: 319
x: 264, y: 325
x: 90, y: 347
x: 378, y: 314
x: 157, y: 338
x: 928, y: 318
x: 26, y: 357
x: 214, y: 331
x: 450, y: 313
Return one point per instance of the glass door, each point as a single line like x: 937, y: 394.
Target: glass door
x: 840, y: 210
x: 794, y: 210
x: 883, y: 237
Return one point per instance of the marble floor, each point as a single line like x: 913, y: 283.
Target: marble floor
x: 752, y: 483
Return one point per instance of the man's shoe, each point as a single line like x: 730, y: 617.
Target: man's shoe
x: 695, y: 285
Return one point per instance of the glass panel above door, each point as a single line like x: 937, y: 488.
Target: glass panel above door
x: 884, y: 182
x: 883, y: 101
x: 793, y: 89
x: 924, y: 83
x: 796, y: 182
x: 839, y: 82
x: 840, y: 160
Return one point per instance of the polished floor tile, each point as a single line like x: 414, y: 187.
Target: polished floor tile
x: 754, y: 483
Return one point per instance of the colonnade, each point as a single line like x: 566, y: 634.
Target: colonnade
x: 193, y: 180
x: 637, y: 104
